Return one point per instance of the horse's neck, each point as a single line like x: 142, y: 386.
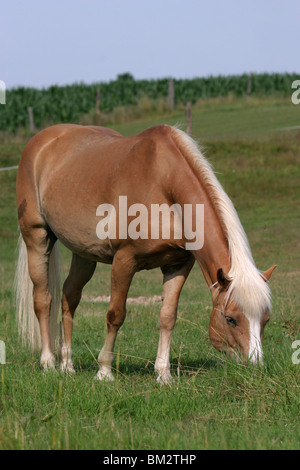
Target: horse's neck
x: 215, y: 253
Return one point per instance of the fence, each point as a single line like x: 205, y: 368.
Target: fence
x: 69, y: 103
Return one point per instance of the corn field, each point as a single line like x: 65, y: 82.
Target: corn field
x: 67, y: 103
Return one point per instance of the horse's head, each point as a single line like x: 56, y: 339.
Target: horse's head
x: 230, y: 330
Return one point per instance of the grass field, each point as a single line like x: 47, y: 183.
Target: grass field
x: 213, y: 402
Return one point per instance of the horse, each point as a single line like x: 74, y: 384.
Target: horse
x: 66, y: 173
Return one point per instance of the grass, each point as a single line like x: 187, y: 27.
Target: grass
x: 227, y: 118
x: 213, y: 403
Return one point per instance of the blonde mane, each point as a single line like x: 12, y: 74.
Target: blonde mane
x: 247, y: 287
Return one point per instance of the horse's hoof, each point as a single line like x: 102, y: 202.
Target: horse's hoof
x: 104, y: 376
x: 48, y: 363
x: 67, y: 368
x: 165, y: 379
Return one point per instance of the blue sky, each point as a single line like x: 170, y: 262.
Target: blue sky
x: 47, y: 42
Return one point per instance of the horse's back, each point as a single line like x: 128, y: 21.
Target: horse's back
x: 66, y: 135
x: 73, y: 147
x: 67, y: 171
x: 69, y: 156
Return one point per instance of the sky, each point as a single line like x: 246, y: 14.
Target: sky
x: 45, y: 42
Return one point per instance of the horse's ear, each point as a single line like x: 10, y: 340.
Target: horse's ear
x: 268, y: 273
x: 223, y: 279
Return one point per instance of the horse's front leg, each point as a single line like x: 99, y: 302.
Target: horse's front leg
x: 172, y: 285
x: 123, y: 269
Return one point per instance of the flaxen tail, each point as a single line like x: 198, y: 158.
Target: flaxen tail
x: 28, y: 325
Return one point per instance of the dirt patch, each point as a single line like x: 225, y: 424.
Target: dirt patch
x: 293, y: 273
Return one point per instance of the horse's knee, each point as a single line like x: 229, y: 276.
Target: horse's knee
x: 42, y: 302
x: 167, y: 319
x: 115, y: 318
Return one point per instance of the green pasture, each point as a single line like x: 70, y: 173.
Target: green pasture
x: 213, y: 403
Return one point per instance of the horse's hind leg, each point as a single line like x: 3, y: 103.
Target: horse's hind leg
x: 39, y: 244
x: 123, y: 269
x: 172, y: 285
x: 80, y: 273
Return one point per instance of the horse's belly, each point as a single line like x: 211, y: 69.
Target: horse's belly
x: 78, y: 234
x: 100, y: 252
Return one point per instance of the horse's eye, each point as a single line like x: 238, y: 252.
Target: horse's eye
x: 231, y: 321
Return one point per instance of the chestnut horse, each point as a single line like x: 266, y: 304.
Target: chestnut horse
x: 65, y: 172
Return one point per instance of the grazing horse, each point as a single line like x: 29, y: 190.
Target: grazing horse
x: 65, y: 174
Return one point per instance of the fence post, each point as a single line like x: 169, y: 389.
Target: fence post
x: 171, y: 95
x: 189, y: 117
x: 98, y: 114
x: 31, y: 119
